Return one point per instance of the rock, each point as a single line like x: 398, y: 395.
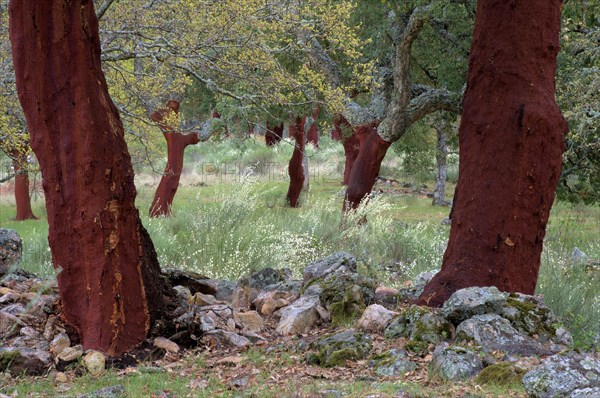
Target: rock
x: 268, y: 302
x: 249, y: 321
x: 394, y: 362
x: 418, y: 285
x: 30, y: 332
x: 220, y: 338
x: 577, y: 256
x: 500, y: 374
x: 336, y: 349
x: 374, y: 319
x: 11, y: 249
x: 586, y: 393
x: 330, y: 393
x: 200, y: 319
x: 465, y: 303
x: 299, y: 317
x: 61, y: 378
x: 59, y: 343
x: 192, y: 280
x: 290, y: 286
x: 117, y: 391
x: 9, y: 297
x: 20, y: 360
x: 335, y: 264
x: 224, y: 289
x: 492, y: 332
x: 387, y: 296
x: 94, y: 362
x: 266, y: 277
x: 202, y: 299
x: 454, y: 363
x: 70, y: 354
x: 183, y: 294
x: 243, y: 296
x: 166, y: 344
x: 346, y: 297
x: 563, y: 374
x: 9, y: 324
x: 421, y: 325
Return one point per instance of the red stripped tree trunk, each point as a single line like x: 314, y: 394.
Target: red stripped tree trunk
x: 22, y: 198
x: 274, y: 134
x: 312, y: 136
x: 295, y: 169
x: 176, y: 144
x: 511, y: 143
x: 108, y: 274
x: 365, y: 169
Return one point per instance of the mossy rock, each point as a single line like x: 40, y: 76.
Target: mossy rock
x: 335, y: 349
x: 418, y: 347
x: 7, y: 358
x: 346, y: 297
x: 403, y: 324
x: 529, y: 315
x: 500, y: 374
x: 394, y: 362
x: 420, y: 324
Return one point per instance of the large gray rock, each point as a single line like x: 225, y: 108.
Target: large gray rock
x: 335, y: 264
x: 222, y: 338
x: 336, y: 349
x: 19, y: 360
x: 11, y: 249
x: 492, y: 332
x: 394, y: 362
x: 420, y: 324
x: 466, y: 303
x: 562, y: 375
x: 531, y: 316
x: 454, y: 363
x: 299, y: 317
x: 586, y: 393
x: 375, y: 318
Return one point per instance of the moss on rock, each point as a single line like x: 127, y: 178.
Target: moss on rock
x: 500, y: 374
x: 336, y: 349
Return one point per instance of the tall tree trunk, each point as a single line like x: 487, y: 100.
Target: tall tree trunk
x: 22, y: 198
x: 108, y: 274
x: 441, y: 160
x: 312, y: 135
x: 511, y: 142
x: 274, y: 134
x: 295, y: 169
x: 176, y: 144
x: 365, y: 169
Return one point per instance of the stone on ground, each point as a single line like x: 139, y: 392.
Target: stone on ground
x: 335, y: 349
x: 375, y: 318
x: 454, y: 363
x: 466, y: 303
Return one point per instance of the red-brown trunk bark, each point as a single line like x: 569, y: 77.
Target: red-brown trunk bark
x: 22, y: 198
x: 108, y: 275
x: 295, y: 169
x: 274, y: 134
x: 511, y: 142
x: 176, y: 144
x: 312, y: 136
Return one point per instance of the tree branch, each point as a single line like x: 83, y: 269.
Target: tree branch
x: 103, y: 8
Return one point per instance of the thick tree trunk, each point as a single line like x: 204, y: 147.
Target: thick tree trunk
x: 108, y: 275
x: 365, y: 169
x: 176, y: 144
x: 22, y: 198
x: 511, y: 142
x: 312, y: 136
x: 441, y: 160
x: 274, y: 134
x: 295, y: 169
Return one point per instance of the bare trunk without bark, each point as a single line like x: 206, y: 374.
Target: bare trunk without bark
x: 108, y: 274
x: 176, y: 144
x: 511, y: 142
x: 441, y: 160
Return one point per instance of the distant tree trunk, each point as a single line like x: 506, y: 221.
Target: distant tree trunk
x: 511, y: 144
x: 108, y: 274
x: 22, y: 198
x: 441, y: 160
x: 295, y: 169
x: 176, y: 144
x: 365, y: 169
x: 312, y: 136
x: 274, y: 134
x: 217, y: 115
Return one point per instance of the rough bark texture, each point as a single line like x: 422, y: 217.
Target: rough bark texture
x: 176, y: 144
x: 295, y: 169
x: 511, y: 140
x: 365, y: 169
x: 274, y: 134
x: 441, y: 160
x: 312, y: 136
x: 108, y: 274
x: 22, y: 198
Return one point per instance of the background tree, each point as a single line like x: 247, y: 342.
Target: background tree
x: 108, y: 275
x: 510, y: 155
